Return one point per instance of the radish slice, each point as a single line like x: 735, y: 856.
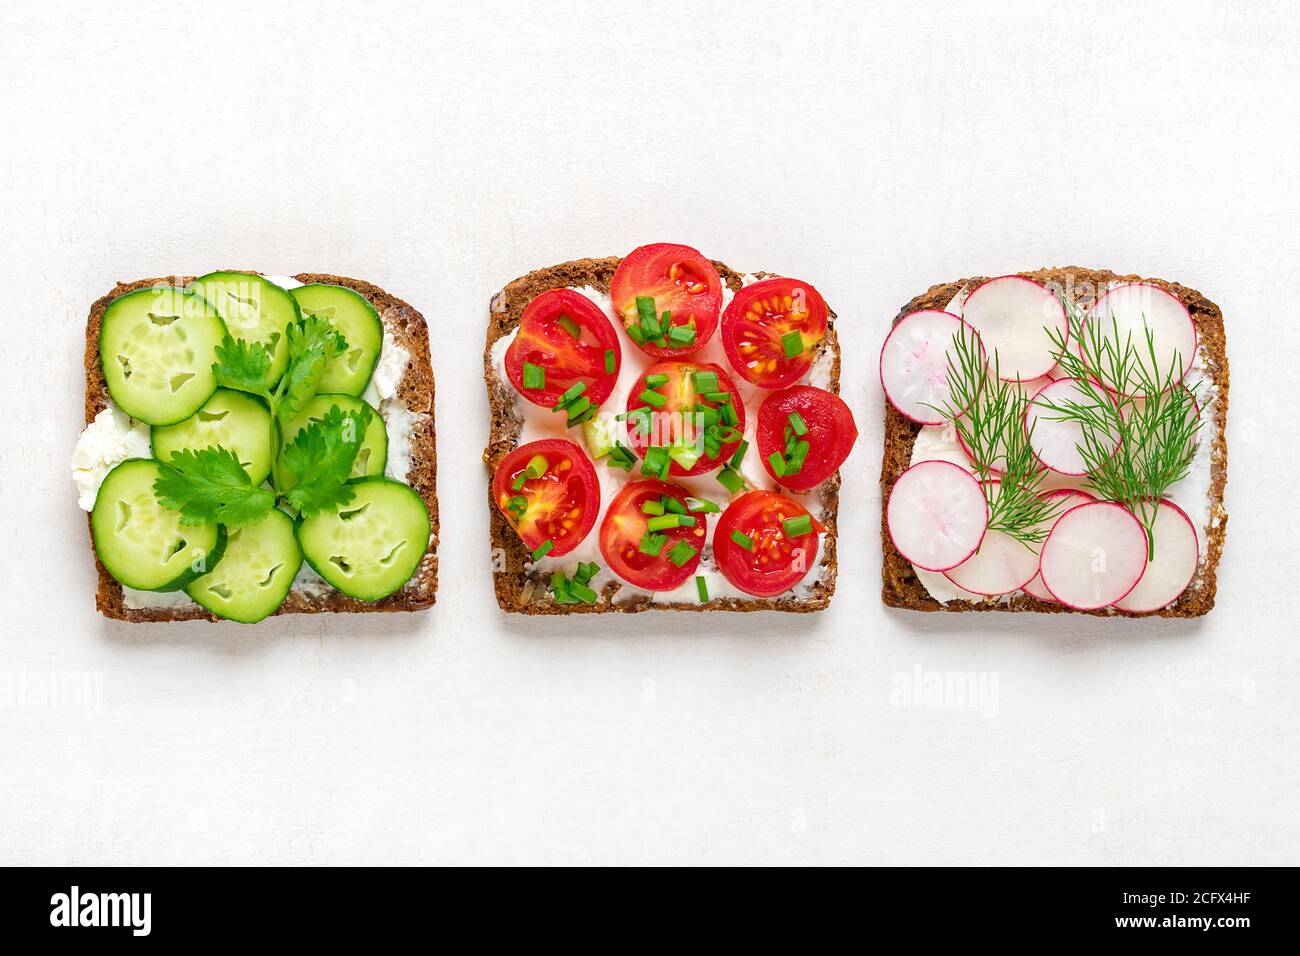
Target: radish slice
x: 1171, y: 570
x: 1055, y: 441
x: 1064, y: 500
x: 1001, y: 564
x: 1012, y: 315
x: 1094, y: 556
x: 1133, y: 308
x: 914, y: 364
x: 999, y: 463
x: 937, y: 515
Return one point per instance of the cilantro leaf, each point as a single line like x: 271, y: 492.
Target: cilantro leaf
x: 320, y: 460
x: 242, y: 365
x: 211, y: 485
x: 313, y: 342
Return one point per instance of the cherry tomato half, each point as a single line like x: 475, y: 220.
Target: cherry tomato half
x: 569, y: 339
x: 548, y: 492
x: 804, y: 414
x: 657, y: 559
x: 755, y: 548
x: 681, y: 410
x: 771, y: 330
x: 682, y: 284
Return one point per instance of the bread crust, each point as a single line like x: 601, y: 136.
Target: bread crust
x: 520, y: 592
x: 416, y: 390
x: 902, y: 588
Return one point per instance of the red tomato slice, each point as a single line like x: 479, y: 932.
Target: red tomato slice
x: 546, y: 339
x: 753, y: 549
x: 556, y: 501
x: 682, y: 283
x: 759, y: 320
x: 623, y: 538
x: 685, y: 419
x: 830, y: 434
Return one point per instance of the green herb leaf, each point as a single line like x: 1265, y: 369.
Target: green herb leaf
x: 313, y: 343
x: 320, y: 460
x: 242, y: 366
x: 211, y: 485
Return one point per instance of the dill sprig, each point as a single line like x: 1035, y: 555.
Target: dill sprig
x: 989, y: 416
x: 1134, y: 449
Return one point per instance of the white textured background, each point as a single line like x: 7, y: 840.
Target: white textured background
x: 441, y: 150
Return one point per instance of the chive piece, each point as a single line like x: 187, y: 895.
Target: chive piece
x: 570, y: 326
x: 702, y: 504
x: 797, y: 424
x: 675, y: 506
x: 653, y: 507
x: 706, y: 381
x: 652, y: 544
x: 656, y: 461
x: 794, y: 527
x: 634, y: 332
x: 651, y: 397
x: 519, y: 481
x: 681, y: 553
x: 654, y: 381
x: 570, y: 396
x: 583, y: 593
x: 517, y: 503
x: 702, y: 588
x: 792, y: 343
x: 722, y: 398
x: 664, y: 522
x: 645, y: 310
x: 777, y: 462
x: 611, y: 361
x: 739, y: 456
x: 686, y: 457
x: 586, y: 571
x: 560, y: 588
x: 730, y: 479
x: 543, y: 549
x: 744, y: 540
x: 682, y: 335
x: 620, y: 456
x: 534, y: 376
x: 578, y: 410
x: 536, y: 466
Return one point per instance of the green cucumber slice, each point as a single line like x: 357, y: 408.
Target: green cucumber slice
x: 143, y: 544
x: 371, y: 546
x: 230, y: 419
x: 255, y: 573
x: 156, y: 349
x: 255, y: 310
x: 359, y: 323
x: 372, y: 456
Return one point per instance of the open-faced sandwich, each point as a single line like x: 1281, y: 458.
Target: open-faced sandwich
x: 1054, y: 441
x: 666, y: 432
x: 258, y: 445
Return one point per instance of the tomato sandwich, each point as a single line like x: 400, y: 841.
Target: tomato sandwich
x: 666, y: 433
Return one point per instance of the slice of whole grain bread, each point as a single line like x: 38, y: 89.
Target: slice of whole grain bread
x: 902, y: 588
x: 520, y: 591
x: 416, y: 391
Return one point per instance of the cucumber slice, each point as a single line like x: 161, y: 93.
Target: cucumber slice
x: 255, y: 310
x: 143, y: 544
x: 372, y: 456
x: 156, y: 349
x: 255, y: 573
x: 371, y: 546
x: 359, y: 323
x: 230, y: 419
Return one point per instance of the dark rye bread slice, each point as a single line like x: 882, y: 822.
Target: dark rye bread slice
x: 416, y: 390
x: 519, y: 591
x: 903, y: 589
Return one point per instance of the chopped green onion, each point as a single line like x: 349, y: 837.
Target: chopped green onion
x: 652, y: 544
x: 777, y: 462
x: 517, y: 503
x: 702, y: 588
x: 570, y: 326
x: 570, y: 395
x: 520, y: 480
x: 656, y: 461
x: 681, y: 334
x: 792, y: 343
x: 664, y: 522
x: 611, y: 361
x: 580, y: 410
x: 534, y: 376
x: 730, y: 479
x: 722, y: 398
x: 635, y: 333
x: 620, y: 456
x: 645, y: 310
x: 586, y: 571
x: 797, y: 423
x: 651, y: 397
x: 537, y: 466
x: 543, y: 549
x: 681, y: 553
x: 702, y: 504
x: 739, y: 456
x: 686, y: 457
x: 794, y: 527
x: 705, y: 381
x: 674, y: 506
x: 744, y: 540
x: 653, y: 507
x: 560, y: 588
x: 654, y: 381
x: 583, y: 593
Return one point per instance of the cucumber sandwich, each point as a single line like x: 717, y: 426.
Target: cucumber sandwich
x: 258, y: 445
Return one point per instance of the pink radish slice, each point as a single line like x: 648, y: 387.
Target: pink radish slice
x: 1012, y: 314
x: 1131, y: 309
x: 1000, y: 565
x: 1063, y: 501
x: 998, y: 464
x: 1171, y: 570
x: 1054, y: 441
x: 1094, y: 556
x: 937, y: 515
x: 914, y: 363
